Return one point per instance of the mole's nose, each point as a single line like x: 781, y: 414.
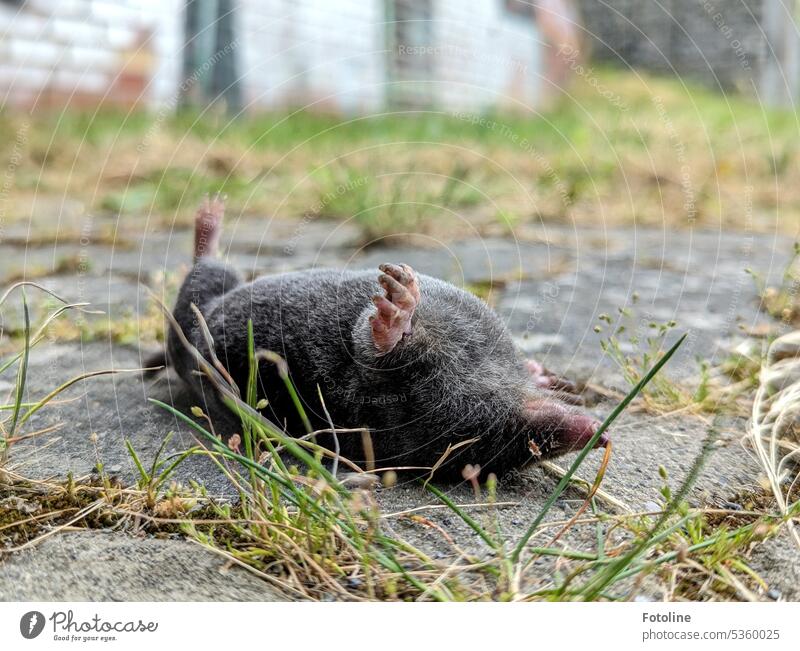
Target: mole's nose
x: 580, y: 430
x: 568, y: 429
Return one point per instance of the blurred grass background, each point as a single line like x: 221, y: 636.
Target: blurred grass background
x: 654, y: 152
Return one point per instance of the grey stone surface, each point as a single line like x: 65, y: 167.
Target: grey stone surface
x: 551, y: 288
x: 96, y: 566
x: 95, y: 416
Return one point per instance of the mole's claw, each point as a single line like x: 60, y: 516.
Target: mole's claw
x: 404, y: 275
x: 546, y: 379
x: 386, y: 309
x: 396, y: 308
x: 397, y: 293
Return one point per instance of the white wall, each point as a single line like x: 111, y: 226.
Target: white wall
x: 57, y: 50
x: 312, y: 51
x: 330, y: 54
x: 488, y: 56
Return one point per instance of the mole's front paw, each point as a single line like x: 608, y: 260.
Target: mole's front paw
x: 396, y: 308
x: 545, y: 379
x: 208, y: 226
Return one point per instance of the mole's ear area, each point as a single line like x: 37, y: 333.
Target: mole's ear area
x: 395, y: 308
x: 557, y: 429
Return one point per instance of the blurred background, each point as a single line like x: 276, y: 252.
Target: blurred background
x: 336, y: 127
x: 509, y: 112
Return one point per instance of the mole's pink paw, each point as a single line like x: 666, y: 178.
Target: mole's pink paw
x: 545, y: 379
x: 392, y: 319
x: 208, y: 226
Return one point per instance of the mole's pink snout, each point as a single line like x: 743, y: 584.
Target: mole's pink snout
x: 570, y: 430
x: 580, y: 431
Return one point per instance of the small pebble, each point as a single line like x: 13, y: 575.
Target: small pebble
x: 651, y: 507
x: 364, y: 480
x: 774, y: 594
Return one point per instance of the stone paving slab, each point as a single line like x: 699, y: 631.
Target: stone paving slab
x: 98, y: 566
x: 552, y: 288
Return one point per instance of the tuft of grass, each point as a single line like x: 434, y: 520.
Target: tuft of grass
x: 635, y: 343
x: 396, y: 203
x: 19, y: 387
x: 125, y: 328
x: 773, y: 430
x: 21, y: 412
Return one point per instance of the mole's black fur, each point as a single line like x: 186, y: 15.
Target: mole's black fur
x: 423, y: 369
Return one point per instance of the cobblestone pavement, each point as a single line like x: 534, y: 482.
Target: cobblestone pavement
x: 549, y: 283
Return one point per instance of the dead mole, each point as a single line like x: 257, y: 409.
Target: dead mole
x: 424, y: 365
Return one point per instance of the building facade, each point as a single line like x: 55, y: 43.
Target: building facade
x: 350, y: 56
x: 749, y: 45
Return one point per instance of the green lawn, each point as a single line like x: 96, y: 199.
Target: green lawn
x: 661, y: 151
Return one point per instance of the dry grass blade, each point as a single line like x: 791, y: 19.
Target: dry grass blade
x: 22, y: 374
x: 29, y: 283
x: 775, y: 424
x: 603, y: 496
x: 336, y: 447
x: 450, y: 449
x: 78, y: 378
x: 592, y: 492
x: 78, y: 517
x: 212, y: 351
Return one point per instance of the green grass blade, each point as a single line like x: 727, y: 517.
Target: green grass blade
x: 252, y: 386
x: 288, y: 442
x: 289, y: 490
x: 283, y: 372
x: 612, y: 573
x: 156, y: 464
x: 22, y: 373
x: 472, y: 524
x: 565, y: 480
x: 138, y: 463
x: 164, y: 475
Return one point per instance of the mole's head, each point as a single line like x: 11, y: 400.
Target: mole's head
x: 464, y: 376
x: 541, y: 428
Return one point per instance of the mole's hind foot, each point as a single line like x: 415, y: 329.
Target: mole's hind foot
x: 208, y: 226
x: 392, y: 321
